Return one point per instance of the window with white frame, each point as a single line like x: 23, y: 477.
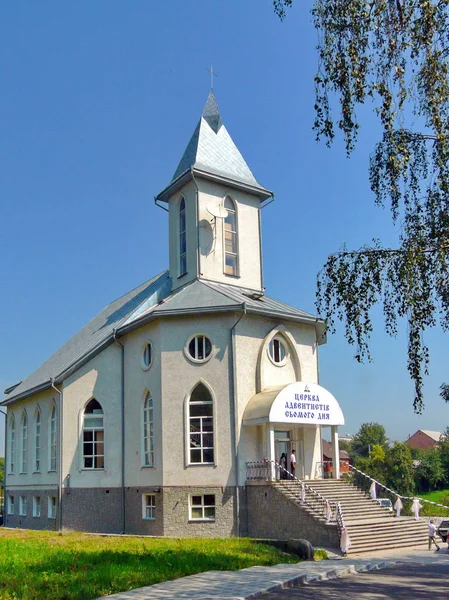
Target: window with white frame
x: 12, y: 443
x: 36, y: 506
x: 148, y: 439
x: 37, y: 441
x: 24, y: 445
x: 199, y: 348
x: 93, y: 436
x: 22, y: 506
x: 201, y: 426
x: 52, y: 440
x: 277, y: 351
x: 202, y: 508
x: 149, y: 507
x: 52, y: 507
x: 182, y: 238
x: 10, y: 505
x: 147, y: 356
x: 230, y: 238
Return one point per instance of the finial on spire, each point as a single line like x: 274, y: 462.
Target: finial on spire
x: 212, y: 73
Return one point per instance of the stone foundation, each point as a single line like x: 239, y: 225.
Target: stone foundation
x: 272, y: 516
x: 28, y: 521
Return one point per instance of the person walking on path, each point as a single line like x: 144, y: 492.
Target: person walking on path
x: 432, y: 531
x: 293, y: 463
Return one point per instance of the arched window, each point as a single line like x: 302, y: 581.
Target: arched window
x: 182, y: 239
x: 201, y: 426
x: 12, y: 443
x: 148, y: 444
x: 230, y: 239
x: 37, y: 441
x: 93, y: 436
x: 277, y: 350
x: 24, y: 445
x: 52, y: 440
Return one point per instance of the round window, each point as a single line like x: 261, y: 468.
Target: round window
x: 147, y: 356
x: 277, y: 351
x: 199, y: 348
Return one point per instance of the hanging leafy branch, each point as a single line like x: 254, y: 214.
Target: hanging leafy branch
x: 393, y: 53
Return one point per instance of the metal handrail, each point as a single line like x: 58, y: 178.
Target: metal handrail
x: 393, y: 492
x: 260, y: 470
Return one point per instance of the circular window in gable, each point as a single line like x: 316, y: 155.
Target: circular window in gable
x: 277, y: 352
x: 199, y: 348
x: 147, y: 356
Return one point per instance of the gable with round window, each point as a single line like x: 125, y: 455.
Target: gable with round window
x: 277, y: 351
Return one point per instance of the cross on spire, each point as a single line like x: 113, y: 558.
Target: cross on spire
x: 212, y: 73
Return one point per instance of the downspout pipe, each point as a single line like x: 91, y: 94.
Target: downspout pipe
x: 52, y: 381
x: 197, y: 205
x: 5, y: 467
x: 236, y: 416
x: 122, y: 406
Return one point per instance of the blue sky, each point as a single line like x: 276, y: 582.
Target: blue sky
x: 98, y: 101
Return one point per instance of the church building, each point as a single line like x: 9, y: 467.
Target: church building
x: 161, y: 414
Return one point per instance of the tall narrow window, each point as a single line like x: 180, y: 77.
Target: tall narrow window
x: 24, y: 445
x: 182, y: 239
x: 93, y: 436
x: 148, y: 447
x: 52, y: 440
x: 12, y: 443
x: 37, y: 442
x: 230, y: 239
x: 201, y: 426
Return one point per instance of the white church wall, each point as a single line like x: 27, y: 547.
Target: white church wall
x: 250, y: 335
x: 189, y: 194
x: 179, y: 377
x: 100, y: 378
x: 137, y: 382
x: 212, y: 239
x: 44, y: 477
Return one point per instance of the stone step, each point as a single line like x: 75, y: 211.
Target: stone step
x: 354, y: 549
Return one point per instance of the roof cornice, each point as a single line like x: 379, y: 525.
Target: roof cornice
x: 185, y: 177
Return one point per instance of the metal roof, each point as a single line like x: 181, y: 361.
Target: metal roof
x: 98, y: 331
x: 212, y: 150
x: 151, y: 300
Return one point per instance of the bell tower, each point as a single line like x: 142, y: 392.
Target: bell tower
x: 214, y: 204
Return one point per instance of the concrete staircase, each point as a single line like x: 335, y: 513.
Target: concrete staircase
x: 370, y: 526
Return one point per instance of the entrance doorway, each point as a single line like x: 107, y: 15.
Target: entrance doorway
x: 282, y: 445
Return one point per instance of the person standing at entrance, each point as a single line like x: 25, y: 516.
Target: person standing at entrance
x: 293, y: 463
x: 283, y: 466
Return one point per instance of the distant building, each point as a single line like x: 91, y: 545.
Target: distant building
x: 423, y: 439
x: 328, y: 460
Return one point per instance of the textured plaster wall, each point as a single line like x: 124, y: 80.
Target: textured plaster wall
x: 179, y: 376
x: 44, y: 400
x: 137, y: 382
x: 100, y: 378
x: 189, y: 193
x: 250, y: 335
x: 212, y: 238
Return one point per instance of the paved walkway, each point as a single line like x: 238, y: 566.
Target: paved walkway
x: 251, y: 582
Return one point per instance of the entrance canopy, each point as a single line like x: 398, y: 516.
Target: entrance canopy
x: 298, y: 403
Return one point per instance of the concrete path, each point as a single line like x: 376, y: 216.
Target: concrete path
x: 251, y: 582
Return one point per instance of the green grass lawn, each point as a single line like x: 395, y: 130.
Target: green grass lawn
x: 441, y: 497
x: 47, y: 565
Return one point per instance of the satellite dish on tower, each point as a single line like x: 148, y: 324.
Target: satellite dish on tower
x: 218, y: 211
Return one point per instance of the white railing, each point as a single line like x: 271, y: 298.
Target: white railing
x: 266, y: 470
x: 371, y: 479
